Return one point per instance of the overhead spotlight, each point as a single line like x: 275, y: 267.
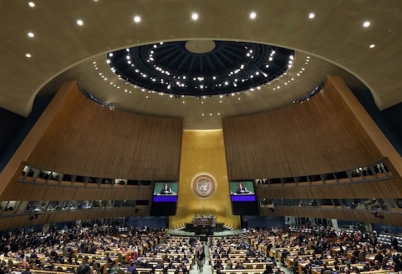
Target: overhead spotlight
x: 194, y: 16
x: 311, y: 15
x: 253, y: 15
x: 137, y: 19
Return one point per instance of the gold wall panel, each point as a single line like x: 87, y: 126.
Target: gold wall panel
x: 203, y: 153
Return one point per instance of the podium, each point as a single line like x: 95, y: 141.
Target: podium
x: 204, y: 225
x: 204, y: 221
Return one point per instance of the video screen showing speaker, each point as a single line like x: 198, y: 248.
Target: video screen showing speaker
x: 164, y: 199
x: 243, y: 198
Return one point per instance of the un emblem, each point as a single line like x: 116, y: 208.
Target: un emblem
x: 203, y: 186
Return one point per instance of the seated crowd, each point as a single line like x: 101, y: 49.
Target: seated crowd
x: 65, y: 250
x: 332, y: 250
x: 142, y: 250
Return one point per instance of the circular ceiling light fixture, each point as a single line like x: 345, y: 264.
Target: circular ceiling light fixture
x: 200, y: 67
x: 200, y: 46
x: 137, y: 19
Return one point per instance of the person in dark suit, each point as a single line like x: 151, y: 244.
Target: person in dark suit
x: 379, y: 256
x: 373, y: 240
x: 241, y: 188
x: 325, y: 267
x: 27, y: 271
x: 84, y: 268
x: 284, y: 254
x: 200, y: 257
x: 166, y: 189
x: 394, y: 243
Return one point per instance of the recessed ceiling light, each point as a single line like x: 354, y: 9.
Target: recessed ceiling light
x: 366, y: 24
x: 80, y: 22
x: 28, y: 55
x: 137, y: 19
x: 253, y: 15
x: 372, y: 46
x: 311, y: 15
x: 194, y: 16
x: 30, y: 34
x: 31, y: 4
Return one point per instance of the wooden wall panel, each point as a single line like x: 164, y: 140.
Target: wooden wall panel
x: 47, y: 218
x: 15, y: 165
x: 391, y: 188
x: 321, y: 135
x: 23, y: 192
x: 87, y: 139
x: 340, y: 214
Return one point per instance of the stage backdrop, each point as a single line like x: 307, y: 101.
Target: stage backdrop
x: 203, y: 186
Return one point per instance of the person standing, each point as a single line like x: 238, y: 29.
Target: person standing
x: 200, y: 255
x: 166, y: 189
x: 84, y: 268
x: 394, y: 243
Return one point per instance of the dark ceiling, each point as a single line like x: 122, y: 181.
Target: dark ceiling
x: 226, y: 68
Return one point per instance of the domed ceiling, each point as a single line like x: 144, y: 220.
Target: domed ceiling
x: 45, y: 43
x: 201, y: 67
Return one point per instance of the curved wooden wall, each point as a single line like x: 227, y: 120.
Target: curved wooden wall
x: 379, y: 189
x: 387, y: 188
x: 339, y: 214
x: 23, y: 192
x: 47, y: 218
x: 323, y: 135
x: 77, y: 136
x: 318, y: 136
x: 87, y: 139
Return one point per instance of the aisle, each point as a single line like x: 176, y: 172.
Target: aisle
x: 207, y: 269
